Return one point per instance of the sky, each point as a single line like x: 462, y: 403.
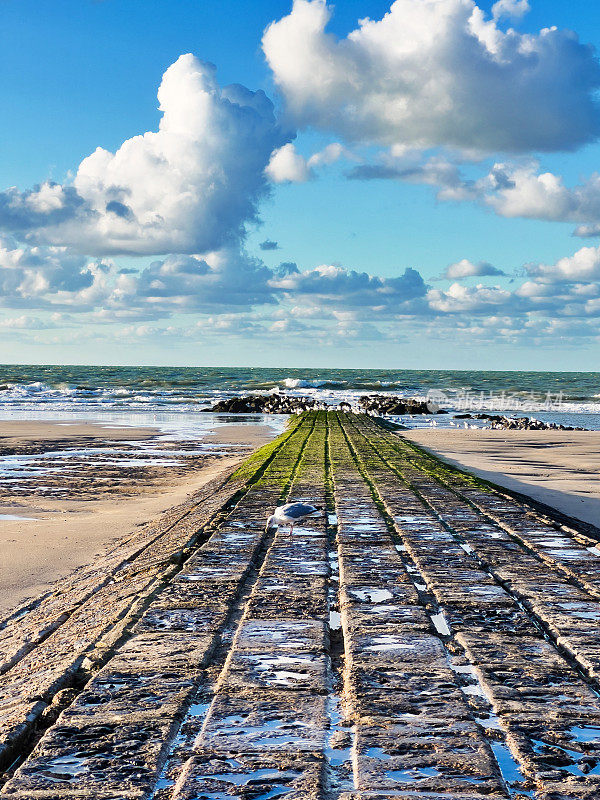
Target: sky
x: 303, y: 183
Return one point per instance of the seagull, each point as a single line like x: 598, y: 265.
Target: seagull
x: 292, y: 513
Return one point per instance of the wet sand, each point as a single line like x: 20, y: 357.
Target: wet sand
x: 69, y: 531
x: 558, y: 468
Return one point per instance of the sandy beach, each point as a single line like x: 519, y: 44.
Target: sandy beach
x: 558, y: 468
x: 57, y: 534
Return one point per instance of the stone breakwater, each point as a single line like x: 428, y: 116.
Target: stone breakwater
x: 499, y: 422
x: 286, y: 404
x: 432, y: 637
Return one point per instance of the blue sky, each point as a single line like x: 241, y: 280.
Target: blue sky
x: 150, y: 252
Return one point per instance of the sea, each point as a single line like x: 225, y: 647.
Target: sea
x: 173, y: 398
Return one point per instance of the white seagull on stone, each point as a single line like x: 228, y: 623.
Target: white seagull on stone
x: 293, y: 513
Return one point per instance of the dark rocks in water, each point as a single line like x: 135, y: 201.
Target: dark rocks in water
x: 525, y: 424
x: 264, y: 404
x: 384, y: 404
x: 500, y: 422
x: 375, y: 404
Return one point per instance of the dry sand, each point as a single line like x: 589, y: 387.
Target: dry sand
x: 68, y: 533
x: 558, y: 468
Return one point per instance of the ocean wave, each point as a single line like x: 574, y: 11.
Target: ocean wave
x: 299, y: 383
x: 158, y: 390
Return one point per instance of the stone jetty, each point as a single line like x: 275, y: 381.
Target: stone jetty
x: 288, y: 404
x: 432, y: 638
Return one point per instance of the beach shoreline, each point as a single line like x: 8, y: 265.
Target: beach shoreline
x: 53, y: 535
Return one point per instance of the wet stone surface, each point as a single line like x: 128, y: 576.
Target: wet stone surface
x: 427, y: 638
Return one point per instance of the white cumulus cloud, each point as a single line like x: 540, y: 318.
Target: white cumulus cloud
x: 582, y: 267
x: 467, y: 269
x: 436, y: 72
x: 288, y: 166
x: 514, y: 9
x: 189, y: 187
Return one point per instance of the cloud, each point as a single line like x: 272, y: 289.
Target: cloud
x: 467, y: 269
x: 269, y: 244
x: 434, y: 171
x: 475, y: 300
x: 524, y: 191
x: 511, y: 190
x: 329, y: 155
x: 587, y: 231
x: 222, y: 281
x: 436, y: 73
x: 189, y: 187
x: 583, y: 266
x: 23, y: 323
x: 345, y: 288
x: 41, y: 276
x: 514, y: 9
x: 288, y: 166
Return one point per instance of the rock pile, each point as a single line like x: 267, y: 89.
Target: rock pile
x: 374, y: 404
x: 518, y: 423
x: 265, y: 404
x: 384, y: 404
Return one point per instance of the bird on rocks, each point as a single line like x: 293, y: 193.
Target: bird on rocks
x: 293, y: 513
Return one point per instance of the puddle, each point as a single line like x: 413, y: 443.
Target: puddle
x: 270, y: 735
x: 473, y: 689
x: 377, y: 752
x: 388, y: 642
x: 411, y: 775
x: 65, y: 768
x: 491, y: 723
x: 246, y: 778
x: 440, y: 624
x: 372, y: 595
x: 586, y: 734
x: 509, y: 769
x: 335, y: 620
x: 467, y: 548
x: 507, y: 764
x: 198, y: 709
x: 338, y: 756
x: 579, y: 763
x: 15, y: 517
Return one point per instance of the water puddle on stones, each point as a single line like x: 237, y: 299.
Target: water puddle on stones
x: 65, y: 768
x: 385, y: 642
x: 372, y: 595
x: 586, y: 735
x: 510, y: 770
x: 411, y: 775
x: 340, y: 736
x: 335, y: 621
x: 440, y: 624
x: 562, y: 758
